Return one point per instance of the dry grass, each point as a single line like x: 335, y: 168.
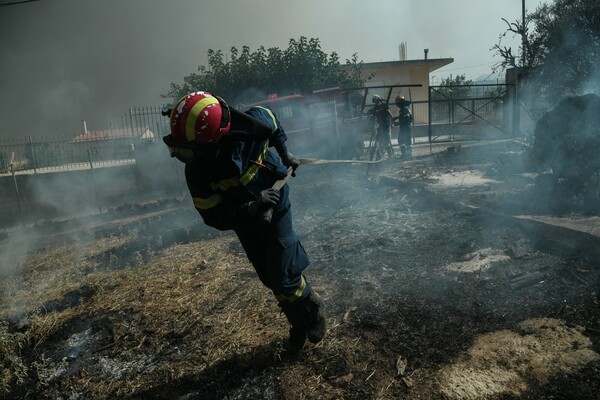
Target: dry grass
x: 172, y: 313
x: 186, y: 311
x: 133, y: 315
x: 13, y: 370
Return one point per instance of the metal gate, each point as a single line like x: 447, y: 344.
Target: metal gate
x: 470, y: 112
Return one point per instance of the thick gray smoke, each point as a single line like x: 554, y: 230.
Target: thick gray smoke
x: 592, y: 84
x: 62, y: 61
x: 60, y: 205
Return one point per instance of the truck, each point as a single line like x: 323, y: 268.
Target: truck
x: 325, y: 123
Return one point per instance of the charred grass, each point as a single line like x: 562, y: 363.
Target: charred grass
x: 425, y: 299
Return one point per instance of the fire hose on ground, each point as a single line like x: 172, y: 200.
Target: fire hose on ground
x: 267, y: 215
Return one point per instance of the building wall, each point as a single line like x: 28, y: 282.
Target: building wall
x: 390, y: 75
x: 410, y: 72
x: 403, y: 75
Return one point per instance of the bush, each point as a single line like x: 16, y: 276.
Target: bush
x: 567, y: 138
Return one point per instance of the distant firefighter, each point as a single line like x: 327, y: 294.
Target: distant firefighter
x: 404, y: 120
x: 383, y: 117
x: 237, y: 183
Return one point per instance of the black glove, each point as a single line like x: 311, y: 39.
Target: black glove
x: 266, y: 199
x: 290, y: 160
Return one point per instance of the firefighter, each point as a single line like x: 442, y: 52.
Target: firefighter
x: 404, y: 120
x: 382, y: 115
x: 232, y: 160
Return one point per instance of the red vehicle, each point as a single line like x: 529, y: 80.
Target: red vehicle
x: 325, y: 123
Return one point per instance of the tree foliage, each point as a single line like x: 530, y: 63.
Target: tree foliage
x: 566, y: 139
x: 562, y: 44
x: 566, y: 44
x: 506, y: 53
x: 250, y: 75
x: 453, y: 88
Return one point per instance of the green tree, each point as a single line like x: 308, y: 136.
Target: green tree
x: 248, y: 76
x: 567, y: 45
x: 562, y: 45
x: 453, y: 87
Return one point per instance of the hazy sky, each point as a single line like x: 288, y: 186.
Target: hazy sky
x: 65, y: 60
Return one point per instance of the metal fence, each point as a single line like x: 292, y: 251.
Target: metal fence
x: 467, y: 112
x: 456, y: 113
x: 114, y: 146
x: 473, y: 111
x: 460, y: 112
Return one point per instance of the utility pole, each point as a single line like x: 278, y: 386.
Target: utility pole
x: 523, y: 35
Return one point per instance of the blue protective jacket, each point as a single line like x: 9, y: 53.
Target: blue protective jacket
x: 221, y: 189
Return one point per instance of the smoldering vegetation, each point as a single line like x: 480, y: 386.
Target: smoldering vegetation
x: 448, y: 275
x: 566, y: 139
x: 424, y: 270
x: 46, y: 206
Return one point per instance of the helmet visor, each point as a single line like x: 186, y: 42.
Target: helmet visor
x: 185, y: 155
x: 188, y: 152
x: 184, y: 152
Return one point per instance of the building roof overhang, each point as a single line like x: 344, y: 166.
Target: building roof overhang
x: 431, y: 64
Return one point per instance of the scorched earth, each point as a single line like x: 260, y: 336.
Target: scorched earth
x: 441, y: 276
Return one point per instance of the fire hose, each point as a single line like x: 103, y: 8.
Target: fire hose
x: 309, y: 161
x: 267, y: 215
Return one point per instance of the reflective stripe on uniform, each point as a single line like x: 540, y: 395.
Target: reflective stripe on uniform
x: 253, y: 170
x: 225, y: 184
x: 297, y: 294
x: 190, y: 122
x: 271, y: 114
x: 205, y: 204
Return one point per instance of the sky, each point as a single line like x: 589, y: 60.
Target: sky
x: 62, y: 61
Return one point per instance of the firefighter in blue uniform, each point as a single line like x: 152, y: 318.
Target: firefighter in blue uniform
x: 381, y: 113
x: 404, y: 121
x: 232, y: 161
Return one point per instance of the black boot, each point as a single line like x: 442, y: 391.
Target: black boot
x: 297, y: 330
x: 307, y: 319
x: 316, y: 327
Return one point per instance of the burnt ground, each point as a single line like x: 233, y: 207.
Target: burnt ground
x: 433, y: 289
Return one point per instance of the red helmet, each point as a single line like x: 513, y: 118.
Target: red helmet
x: 200, y: 118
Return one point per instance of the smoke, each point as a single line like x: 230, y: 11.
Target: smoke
x: 569, y: 66
x: 14, y: 250
x: 66, y: 60
x: 592, y: 85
